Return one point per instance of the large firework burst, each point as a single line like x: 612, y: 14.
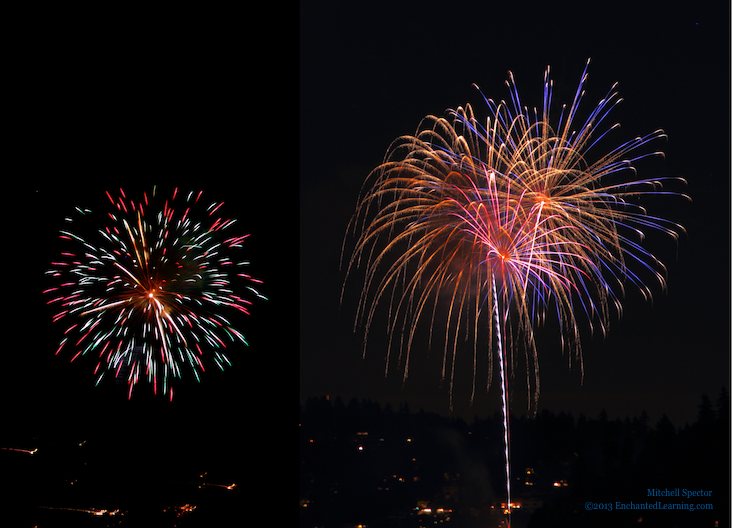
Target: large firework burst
x: 462, y: 206
x: 511, y: 220
x: 147, y: 293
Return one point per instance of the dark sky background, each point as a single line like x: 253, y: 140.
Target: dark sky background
x: 370, y: 71
x: 192, y: 102
x: 156, y: 102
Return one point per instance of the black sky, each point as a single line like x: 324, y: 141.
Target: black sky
x: 192, y: 102
x: 370, y: 72
x: 97, y: 107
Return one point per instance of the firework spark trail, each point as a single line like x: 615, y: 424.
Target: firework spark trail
x: 513, y: 217
x: 19, y: 450
x: 504, y: 397
x: 144, y: 292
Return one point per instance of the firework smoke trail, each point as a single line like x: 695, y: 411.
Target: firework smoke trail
x: 147, y: 293
x: 511, y: 217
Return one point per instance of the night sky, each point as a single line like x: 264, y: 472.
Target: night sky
x: 165, y: 100
x: 168, y: 103
x: 101, y: 108
x: 370, y: 72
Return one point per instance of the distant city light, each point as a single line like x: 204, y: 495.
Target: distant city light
x: 511, y: 506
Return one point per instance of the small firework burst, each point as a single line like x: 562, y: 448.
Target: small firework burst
x: 145, y: 287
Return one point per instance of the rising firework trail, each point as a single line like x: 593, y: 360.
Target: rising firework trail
x: 146, y: 288
x: 509, y: 220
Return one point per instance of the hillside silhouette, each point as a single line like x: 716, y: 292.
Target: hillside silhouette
x: 363, y: 464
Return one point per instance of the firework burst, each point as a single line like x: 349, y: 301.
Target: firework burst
x: 146, y: 295
x: 507, y: 221
x: 511, y: 220
x: 514, y: 206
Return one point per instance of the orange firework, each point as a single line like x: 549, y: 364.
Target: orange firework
x: 460, y: 207
x: 509, y: 220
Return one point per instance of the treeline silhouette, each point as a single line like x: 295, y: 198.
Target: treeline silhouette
x: 361, y: 463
